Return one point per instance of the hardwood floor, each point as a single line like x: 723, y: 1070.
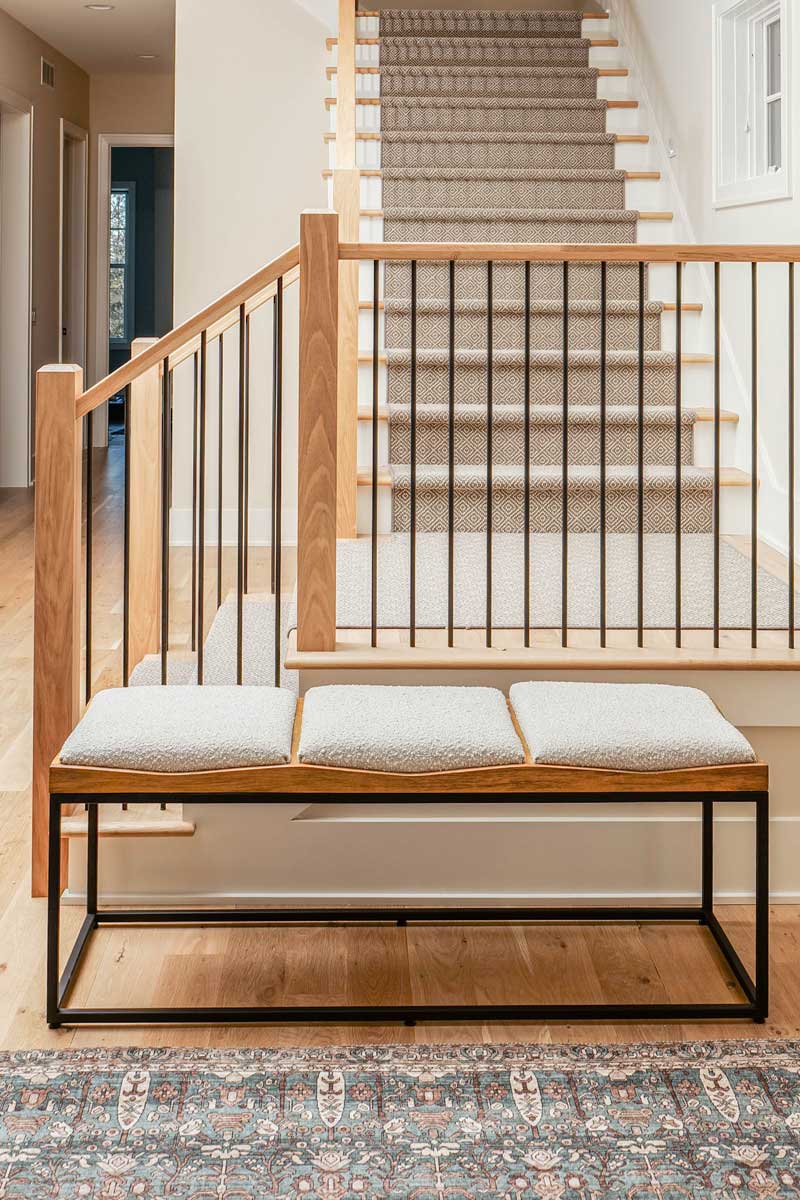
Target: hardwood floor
x: 367, y: 963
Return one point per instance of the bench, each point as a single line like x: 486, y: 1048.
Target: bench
x: 548, y: 743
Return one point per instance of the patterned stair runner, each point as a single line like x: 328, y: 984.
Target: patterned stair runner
x: 492, y: 130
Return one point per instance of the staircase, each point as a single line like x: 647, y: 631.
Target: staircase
x: 509, y: 127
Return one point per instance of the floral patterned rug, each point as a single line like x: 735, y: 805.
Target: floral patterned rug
x: 420, y: 1122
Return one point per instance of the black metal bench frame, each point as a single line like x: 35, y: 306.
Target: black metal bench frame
x: 755, y: 990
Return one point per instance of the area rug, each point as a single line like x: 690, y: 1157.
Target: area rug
x: 704, y: 1119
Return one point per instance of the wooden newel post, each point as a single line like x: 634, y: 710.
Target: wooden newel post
x: 57, y: 588
x: 144, y: 430
x: 317, y: 431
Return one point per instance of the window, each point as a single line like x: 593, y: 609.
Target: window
x: 120, y: 259
x: 752, y: 109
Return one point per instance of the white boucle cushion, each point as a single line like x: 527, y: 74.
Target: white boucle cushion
x: 625, y: 726
x: 407, y: 729
x: 176, y: 729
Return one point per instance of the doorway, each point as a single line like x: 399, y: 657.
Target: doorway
x: 74, y: 198
x: 140, y: 255
x: 16, y: 439
x: 134, y: 255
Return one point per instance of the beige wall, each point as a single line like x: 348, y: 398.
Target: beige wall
x: 249, y: 153
x: 20, y: 55
x: 120, y: 104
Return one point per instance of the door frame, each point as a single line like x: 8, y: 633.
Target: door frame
x: 106, y: 142
x: 74, y: 133
x: 13, y: 104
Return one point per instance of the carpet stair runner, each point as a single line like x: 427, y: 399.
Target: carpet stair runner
x: 492, y: 131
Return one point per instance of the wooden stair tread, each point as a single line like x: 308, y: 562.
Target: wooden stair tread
x: 728, y: 477
x: 598, y: 43
x: 360, y: 137
x: 642, y: 215
x: 374, y: 101
x: 133, y: 822
x: 377, y: 173
x: 354, y: 652
x: 691, y: 360
x: 702, y: 414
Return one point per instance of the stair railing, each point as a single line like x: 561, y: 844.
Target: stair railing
x: 316, y: 627
x: 64, y: 579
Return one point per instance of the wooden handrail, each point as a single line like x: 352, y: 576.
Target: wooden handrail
x: 232, y: 319
x: 553, y: 252
x: 177, y: 338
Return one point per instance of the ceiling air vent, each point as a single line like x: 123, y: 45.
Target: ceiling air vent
x: 48, y: 74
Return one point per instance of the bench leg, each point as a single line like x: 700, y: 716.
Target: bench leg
x: 59, y: 986
x: 708, y: 861
x: 53, y: 910
x: 762, y: 907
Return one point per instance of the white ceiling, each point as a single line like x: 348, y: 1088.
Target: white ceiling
x: 101, y: 42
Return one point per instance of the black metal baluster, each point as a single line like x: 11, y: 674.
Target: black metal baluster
x: 791, y: 438
x: 247, y: 453
x: 451, y: 455
x: 489, y: 444
x: 603, y: 401
x: 717, y: 415
x: 166, y: 475
x: 126, y: 547
x: 278, y: 490
x: 754, y: 456
x: 274, y: 448
x: 375, y: 387
x: 412, y: 599
x: 240, y: 517
x: 526, y: 509
x: 640, y: 466
x: 678, y: 448
x: 565, y: 454
x: 201, y: 508
x: 89, y: 532
x: 220, y: 427
x: 194, y: 500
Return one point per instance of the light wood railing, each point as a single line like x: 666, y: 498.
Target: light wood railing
x: 320, y: 338
x: 63, y: 407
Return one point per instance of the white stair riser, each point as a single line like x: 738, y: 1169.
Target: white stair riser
x: 370, y: 192
x: 365, y: 444
x: 364, y: 510
x: 634, y: 156
x: 704, y: 443
x: 597, y: 29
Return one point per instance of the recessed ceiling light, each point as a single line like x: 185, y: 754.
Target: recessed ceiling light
x: 100, y: 7
x: 146, y: 57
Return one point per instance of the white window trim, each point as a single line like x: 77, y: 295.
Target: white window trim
x: 774, y: 185
x: 124, y: 343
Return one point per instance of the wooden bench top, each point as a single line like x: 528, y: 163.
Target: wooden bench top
x: 305, y: 779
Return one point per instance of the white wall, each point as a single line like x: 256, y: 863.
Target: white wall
x: 249, y: 119
x: 670, y: 50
